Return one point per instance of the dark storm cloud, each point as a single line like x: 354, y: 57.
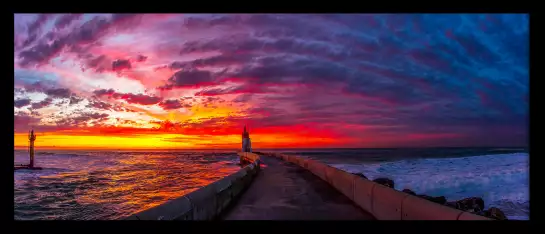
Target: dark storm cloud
x: 34, y: 28
x: 170, y: 104
x: 65, y: 20
x: 434, y: 73
x: 274, y: 24
x: 21, y: 103
x: 398, y: 60
x: 38, y: 105
x: 82, y: 119
x: 102, y: 92
x: 58, y: 93
x: 242, y: 89
x: 98, y: 63
x: 38, y: 23
x: 35, y: 87
x: 190, y: 78
x: 99, y: 105
x: 75, y: 100
x: 456, y: 75
x: 121, y: 64
x: 141, y: 99
x: 88, y: 32
x: 53, y: 93
x: 214, y: 61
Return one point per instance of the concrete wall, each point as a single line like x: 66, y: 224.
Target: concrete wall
x: 383, y: 202
x: 317, y: 169
x: 207, y: 202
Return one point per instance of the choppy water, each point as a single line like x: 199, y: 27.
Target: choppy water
x: 502, y: 180
x: 111, y: 185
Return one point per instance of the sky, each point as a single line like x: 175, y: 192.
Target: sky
x: 296, y: 80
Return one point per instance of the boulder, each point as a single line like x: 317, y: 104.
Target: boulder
x: 361, y: 175
x: 470, y: 204
x: 409, y: 191
x: 384, y: 181
x: 451, y: 204
x: 495, y: 213
x: 440, y: 200
x: 482, y: 213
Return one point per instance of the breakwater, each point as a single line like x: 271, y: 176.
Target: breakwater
x: 209, y: 201
x: 375, y: 200
x: 382, y: 202
x: 286, y: 191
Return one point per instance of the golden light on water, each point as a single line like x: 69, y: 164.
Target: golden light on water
x: 116, y: 184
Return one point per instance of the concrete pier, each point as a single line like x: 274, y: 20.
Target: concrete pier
x: 381, y: 202
x: 273, y: 186
x: 285, y: 191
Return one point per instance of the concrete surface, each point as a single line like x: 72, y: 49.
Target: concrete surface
x: 415, y: 208
x: 387, y: 202
x: 285, y: 191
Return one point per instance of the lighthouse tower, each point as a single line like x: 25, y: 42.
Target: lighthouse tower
x: 246, y: 143
x: 31, y: 139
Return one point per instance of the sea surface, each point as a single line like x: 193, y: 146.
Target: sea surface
x: 112, y: 185
x: 498, y: 175
x: 87, y: 185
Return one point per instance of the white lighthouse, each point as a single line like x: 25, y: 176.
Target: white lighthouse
x: 246, y: 142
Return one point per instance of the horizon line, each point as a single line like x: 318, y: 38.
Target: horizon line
x: 275, y: 148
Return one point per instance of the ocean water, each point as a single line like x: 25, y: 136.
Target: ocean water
x: 112, y: 185
x: 84, y: 185
x: 499, y: 176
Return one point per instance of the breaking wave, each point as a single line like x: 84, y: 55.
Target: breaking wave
x: 501, y: 180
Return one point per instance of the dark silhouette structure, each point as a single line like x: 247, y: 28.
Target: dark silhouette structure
x: 31, y: 139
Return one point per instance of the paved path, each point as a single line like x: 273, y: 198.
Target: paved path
x: 285, y: 191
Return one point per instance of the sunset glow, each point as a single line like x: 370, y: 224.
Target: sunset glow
x: 297, y: 81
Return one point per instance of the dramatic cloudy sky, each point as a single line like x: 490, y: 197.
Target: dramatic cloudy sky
x: 193, y: 81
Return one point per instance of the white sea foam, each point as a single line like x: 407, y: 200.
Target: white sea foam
x: 501, y: 180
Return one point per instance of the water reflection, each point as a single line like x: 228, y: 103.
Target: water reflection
x: 111, y: 185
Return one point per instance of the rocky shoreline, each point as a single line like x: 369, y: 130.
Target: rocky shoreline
x: 471, y: 204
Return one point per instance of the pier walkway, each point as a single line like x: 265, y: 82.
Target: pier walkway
x: 285, y: 191
x: 275, y: 186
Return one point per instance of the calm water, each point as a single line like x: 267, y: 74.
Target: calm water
x: 111, y: 185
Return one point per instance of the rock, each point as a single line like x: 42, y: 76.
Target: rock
x: 471, y: 204
x: 440, y: 200
x: 451, y: 204
x: 482, y: 213
x: 495, y: 213
x: 361, y: 175
x: 409, y: 191
x: 384, y: 181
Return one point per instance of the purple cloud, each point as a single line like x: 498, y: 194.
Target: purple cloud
x: 58, y: 93
x: 38, y: 105
x: 121, y: 64
x: 21, y: 103
x: 170, y: 104
x: 189, y: 79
